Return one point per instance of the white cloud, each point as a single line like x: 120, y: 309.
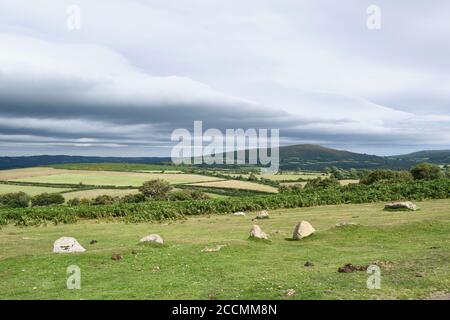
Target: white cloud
x: 139, y: 69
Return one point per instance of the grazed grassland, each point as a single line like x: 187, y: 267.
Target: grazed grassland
x: 417, y: 243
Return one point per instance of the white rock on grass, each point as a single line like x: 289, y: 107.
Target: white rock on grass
x: 67, y: 245
x: 405, y: 205
x: 256, y: 232
x: 262, y: 215
x: 153, y: 238
x: 345, y: 224
x: 239, y: 214
x: 302, y: 230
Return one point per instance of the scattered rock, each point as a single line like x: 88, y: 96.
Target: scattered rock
x: 302, y: 230
x: 290, y: 292
x: 216, y: 249
x: 345, y: 224
x: 156, y: 269
x: 262, y: 215
x: 25, y: 238
x: 349, y: 268
x: 239, y: 214
x: 256, y: 232
x: 67, y: 245
x: 402, y: 205
x: 153, y: 238
x: 93, y: 242
x: 116, y: 257
x: 309, y: 264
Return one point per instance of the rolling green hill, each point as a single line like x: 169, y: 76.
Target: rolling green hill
x: 433, y: 156
x: 301, y: 156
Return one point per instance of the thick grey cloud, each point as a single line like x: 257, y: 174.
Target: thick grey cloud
x: 137, y: 70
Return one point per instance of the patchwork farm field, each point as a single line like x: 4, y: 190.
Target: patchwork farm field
x: 29, y: 172
x: 31, y: 190
x: 413, y: 247
x: 38, y: 180
x: 114, y: 178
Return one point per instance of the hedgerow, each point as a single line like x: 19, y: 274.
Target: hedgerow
x: 166, y: 210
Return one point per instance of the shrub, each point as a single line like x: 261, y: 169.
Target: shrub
x: 103, y: 200
x: 73, y: 202
x: 167, y: 210
x: 187, y: 194
x: 133, y: 198
x: 426, y: 171
x: 319, y: 183
x: 155, y: 189
x: 15, y: 200
x: 85, y: 201
x: 290, y: 188
x: 46, y: 199
x: 383, y: 175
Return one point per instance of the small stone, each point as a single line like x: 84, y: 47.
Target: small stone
x: 216, y: 249
x: 262, y: 215
x: 290, y: 292
x: 239, y: 214
x: 302, y: 230
x: 345, y: 224
x: 153, y: 238
x: 309, y: 264
x: 256, y: 232
x: 401, y: 205
x: 67, y: 245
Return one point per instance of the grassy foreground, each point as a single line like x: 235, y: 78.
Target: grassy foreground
x: 417, y: 244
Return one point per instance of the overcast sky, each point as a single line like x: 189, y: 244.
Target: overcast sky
x: 138, y: 69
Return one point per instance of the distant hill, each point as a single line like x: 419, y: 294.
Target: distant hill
x: 302, y: 156
x: 433, y: 156
x: 33, y: 161
x: 315, y: 157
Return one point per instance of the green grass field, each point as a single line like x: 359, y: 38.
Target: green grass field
x: 417, y: 244
x: 31, y: 190
x: 115, y: 178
